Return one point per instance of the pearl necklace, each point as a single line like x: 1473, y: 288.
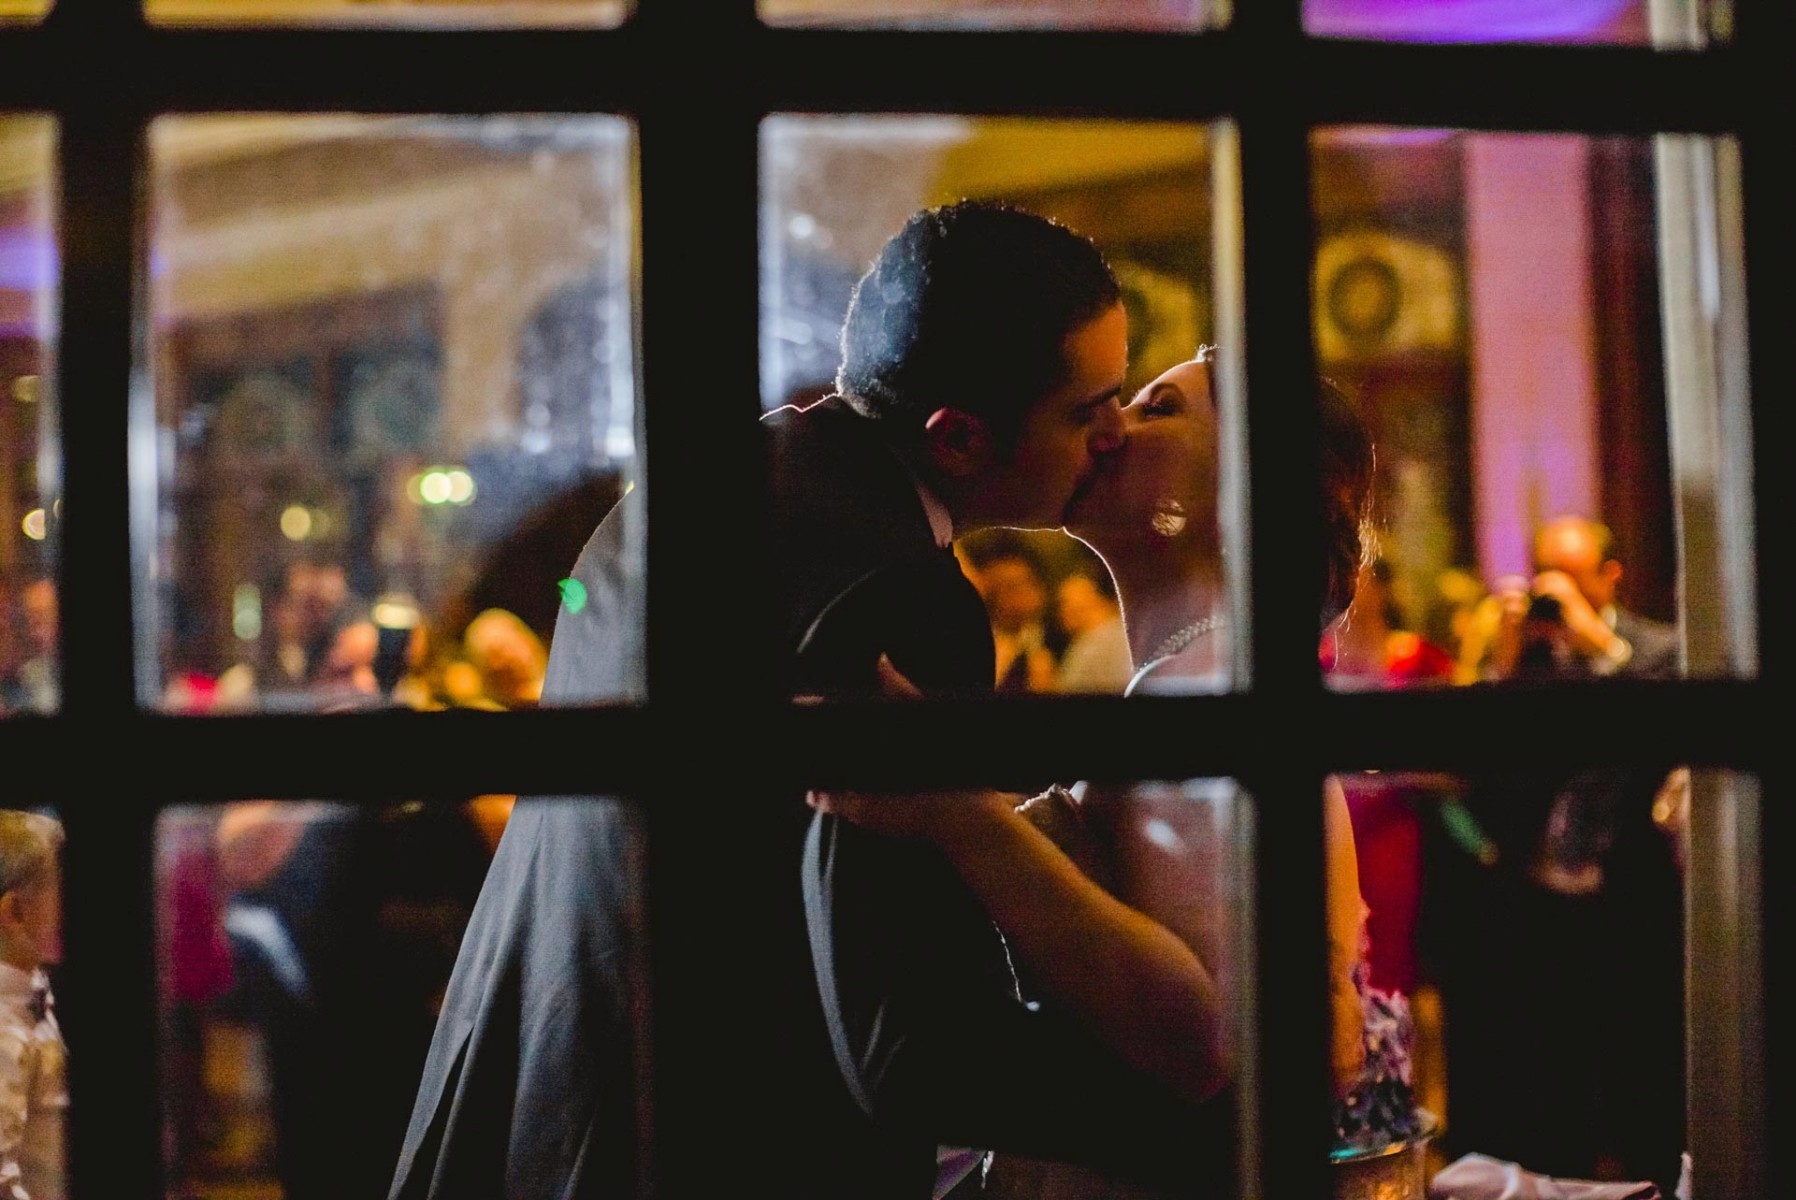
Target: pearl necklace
x: 1183, y: 636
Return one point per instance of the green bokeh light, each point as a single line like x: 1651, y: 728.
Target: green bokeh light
x: 573, y: 594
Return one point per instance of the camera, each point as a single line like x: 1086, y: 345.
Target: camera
x: 1546, y: 608
x: 1546, y: 651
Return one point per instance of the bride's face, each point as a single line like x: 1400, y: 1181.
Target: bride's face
x: 1170, y: 453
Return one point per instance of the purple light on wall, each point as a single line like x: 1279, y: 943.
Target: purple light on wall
x: 27, y: 258
x: 28, y: 275
x: 1476, y: 20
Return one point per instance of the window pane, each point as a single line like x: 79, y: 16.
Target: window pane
x: 31, y: 467
x: 305, y: 952
x: 1027, y: 963
x: 835, y: 189
x: 1616, y: 22
x: 395, y: 391
x: 1567, y: 941
x: 1539, y: 327
x: 1001, y: 14
x: 426, y: 14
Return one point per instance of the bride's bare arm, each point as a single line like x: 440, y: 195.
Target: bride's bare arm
x: 1130, y: 978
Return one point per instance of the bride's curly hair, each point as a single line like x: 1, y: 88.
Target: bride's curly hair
x: 1346, y: 495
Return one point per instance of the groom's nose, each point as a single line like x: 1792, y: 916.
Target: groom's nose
x: 1110, y: 432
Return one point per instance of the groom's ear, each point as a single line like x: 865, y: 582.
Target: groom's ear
x: 957, y: 441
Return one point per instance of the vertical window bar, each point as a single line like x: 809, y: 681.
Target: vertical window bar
x: 1763, y: 30
x: 720, y: 886
x: 109, y: 995
x: 1290, y: 1032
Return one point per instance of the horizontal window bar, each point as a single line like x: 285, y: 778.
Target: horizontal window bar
x: 1621, y: 89
x: 1018, y: 742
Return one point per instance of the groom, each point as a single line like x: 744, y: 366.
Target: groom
x: 983, y: 358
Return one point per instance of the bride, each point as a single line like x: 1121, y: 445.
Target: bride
x: 1119, y: 905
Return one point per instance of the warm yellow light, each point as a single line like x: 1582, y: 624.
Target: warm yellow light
x: 296, y: 522
x: 24, y: 389
x: 434, y: 487
x: 461, y: 486
x: 395, y: 612
x: 33, y: 524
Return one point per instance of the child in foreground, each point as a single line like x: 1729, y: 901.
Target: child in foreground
x: 33, y: 1059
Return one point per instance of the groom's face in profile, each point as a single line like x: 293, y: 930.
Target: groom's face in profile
x: 1067, y: 438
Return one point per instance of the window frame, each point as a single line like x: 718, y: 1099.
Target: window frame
x: 104, y: 74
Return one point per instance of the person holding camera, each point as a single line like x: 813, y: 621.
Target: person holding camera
x: 1559, y: 951
x: 1564, y: 622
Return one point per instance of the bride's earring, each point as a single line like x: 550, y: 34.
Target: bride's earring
x: 1169, y: 518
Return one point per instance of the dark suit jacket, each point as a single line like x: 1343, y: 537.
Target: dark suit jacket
x: 534, y: 1082
x: 907, y: 1028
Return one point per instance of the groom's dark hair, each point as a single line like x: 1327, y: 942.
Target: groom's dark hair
x: 969, y: 307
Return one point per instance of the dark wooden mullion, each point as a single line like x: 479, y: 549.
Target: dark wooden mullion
x: 1594, y: 88
x: 720, y: 878
x: 1764, y: 30
x: 376, y: 757
x: 1288, y: 1096
x: 107, y: 992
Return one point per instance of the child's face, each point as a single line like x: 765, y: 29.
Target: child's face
x: 40, y: 915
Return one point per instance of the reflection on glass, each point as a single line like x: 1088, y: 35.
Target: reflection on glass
x: 395, y: 391
x: 1141, y: 191
x: 34, y: 1085
x: 1546, y: 458
x: 424, y: 14
x: 1001, y: 14
x: 31, y: 463
x: 304, y: 952
x: 1620, y: 22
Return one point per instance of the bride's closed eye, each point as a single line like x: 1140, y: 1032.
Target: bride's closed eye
x: 1161, y: 401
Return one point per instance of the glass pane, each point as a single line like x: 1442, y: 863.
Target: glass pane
x: 34, y: 1069
x: 1566, y: 942
x: 1034, y: 965
x: 395, y: 390
x: 1562, y: 483
x: 305, y: 952
x: 1001, y: 14
x: 31, y: 467
x: 1616, y: 22
x: 839, y: 191
x: 421, y: 14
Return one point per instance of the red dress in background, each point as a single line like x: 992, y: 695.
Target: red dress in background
x: 1387, y: 828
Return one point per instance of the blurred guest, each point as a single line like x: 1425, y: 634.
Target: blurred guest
x: 1096, y: 658
x: 343, y: 924
x: 35, y: 685
x: 1016, y: 598
x: 302, y: 622
x: 1583, y: 895
x: 34, y: 1090
x: 509, y: 656
x: 1460, y: 593
x: 1575, y: 569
